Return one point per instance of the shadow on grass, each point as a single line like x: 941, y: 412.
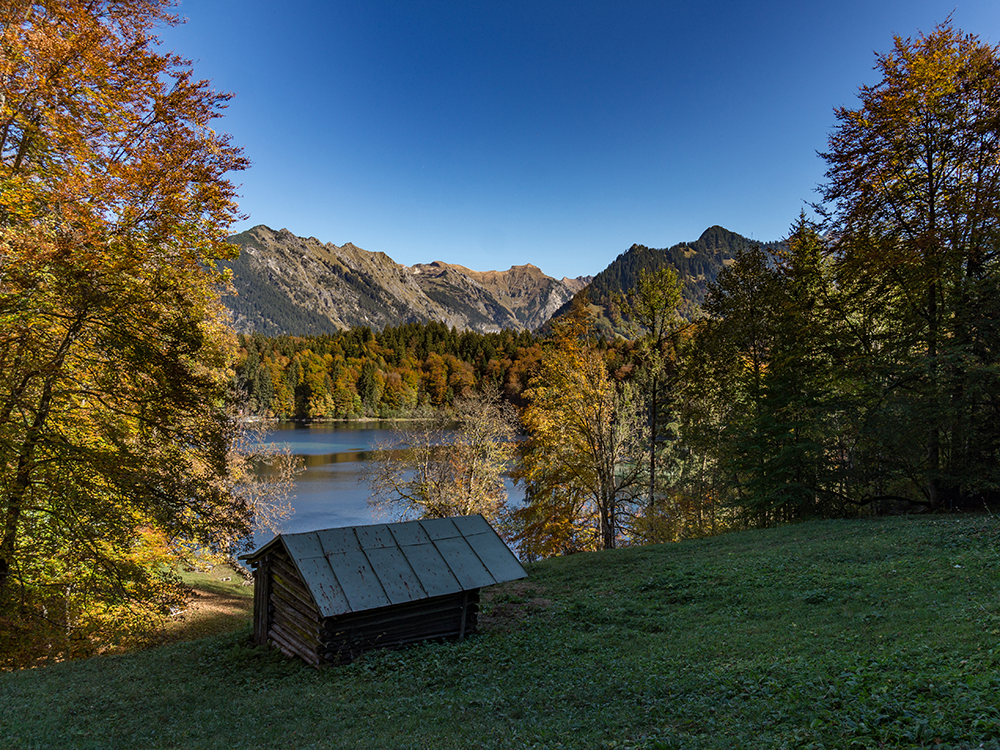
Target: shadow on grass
x: 219, y: 603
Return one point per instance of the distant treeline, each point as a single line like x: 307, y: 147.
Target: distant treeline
x: 389, y: 373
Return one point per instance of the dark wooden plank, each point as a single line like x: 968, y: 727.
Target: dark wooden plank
x: 324, y: 587
x: 294, y: 610
x: 409, y: 532
x: 292, y: 591
x: 408, y: 609
x: 431, y: 569
x: 304, y: 545
x: 474, y: 524
x: 304, y: 631
x: 408, y: 614
x: 440, y: 528
x: 495, y: 556
x: 395, y: 575
x: 291, y: 646
x: 289, y: 572
x: 375, y: 537
x: 261, y: 581
x: 278, y: 642
x: 337, y: 541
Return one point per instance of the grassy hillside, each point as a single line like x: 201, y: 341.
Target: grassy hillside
x: 847, y: 634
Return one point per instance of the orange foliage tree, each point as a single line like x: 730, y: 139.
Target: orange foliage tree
x: 582, y: 465
x: 114, y: 349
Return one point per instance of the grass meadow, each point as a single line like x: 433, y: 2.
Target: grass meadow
x: 879, y: 633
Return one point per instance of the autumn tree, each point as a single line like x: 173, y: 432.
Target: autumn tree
x: 114, y: 348
x: 649, y: 316
x: 913, y: 200
x: 452, y: 464
x: 726, y: 378
x: 766, y: 380
x: 584, y: 450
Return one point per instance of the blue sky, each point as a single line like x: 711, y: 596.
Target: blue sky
x: 494, y: 134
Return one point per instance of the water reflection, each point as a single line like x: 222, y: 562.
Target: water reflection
x: 331, y: 491
x: 350, y: 457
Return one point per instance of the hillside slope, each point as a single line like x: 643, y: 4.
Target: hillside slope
x: 839, y: 634
x: 290, y: 284
x: 697, y: 263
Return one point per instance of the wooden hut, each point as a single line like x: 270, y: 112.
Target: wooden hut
x: 327, y: 596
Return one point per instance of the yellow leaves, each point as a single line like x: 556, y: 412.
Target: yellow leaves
x: 114, y: 348
x: 104, y: 131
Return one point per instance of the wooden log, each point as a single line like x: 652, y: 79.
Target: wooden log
x: 402, y: 612
x: 293, y: 591
x: 289, y: 625
x: 289, y: 641
x: 278, y: 638
x: 306, y: 609
x: 305, y: 624
x: 290, y: 576
x: 353, y: 649
x: 260, y: 606
x: 414, y: 621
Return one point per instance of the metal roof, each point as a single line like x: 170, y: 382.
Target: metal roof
x: 357, y: 568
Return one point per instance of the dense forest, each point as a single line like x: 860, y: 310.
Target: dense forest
x: 386, y: 374
x: 697, y: 265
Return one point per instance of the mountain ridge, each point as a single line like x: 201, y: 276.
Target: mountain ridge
x: 697, y: 263
x: 287, y: 284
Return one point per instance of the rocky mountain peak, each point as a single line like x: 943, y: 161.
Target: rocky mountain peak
x: 295, y: 285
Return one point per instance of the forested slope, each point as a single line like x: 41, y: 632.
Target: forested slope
x: 697, y: 264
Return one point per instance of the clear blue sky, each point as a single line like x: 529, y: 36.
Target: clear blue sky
x: 499, y: 133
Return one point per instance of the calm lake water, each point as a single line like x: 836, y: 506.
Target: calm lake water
x: 330, y: 492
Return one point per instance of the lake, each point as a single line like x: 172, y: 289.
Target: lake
x: 330, y: 492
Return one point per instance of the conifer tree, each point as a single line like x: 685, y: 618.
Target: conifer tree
x: 913, y: 197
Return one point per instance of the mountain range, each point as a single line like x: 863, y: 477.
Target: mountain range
x: 290, y: 284
x: 697, y: 264
x: 285, y: 284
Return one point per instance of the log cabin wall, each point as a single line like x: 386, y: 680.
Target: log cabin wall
x: 285, y: 617
x: 261, y: 597
x: 346, y: 637
x: 293, y: 621
x: 329, y: 595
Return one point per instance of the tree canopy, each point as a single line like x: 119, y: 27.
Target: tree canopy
x: 913, y: 198
x: 114, y: 349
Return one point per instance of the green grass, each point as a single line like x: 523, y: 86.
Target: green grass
x: 219, y: 604
x: 848, y: 634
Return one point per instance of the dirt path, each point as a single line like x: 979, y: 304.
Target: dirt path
x: 210, y: 611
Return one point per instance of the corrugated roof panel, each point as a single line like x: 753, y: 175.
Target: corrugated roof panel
x: 358, y: 580
x: 339, y: 540
x: 395, y: 574
x: 440, y: 528
x: 409, y: 532
x: 496, y: 556
x: 432, y: 570
x: 464, y: 563
x: 301, y: 546
x: 375, y: 537
x: 326, y: 591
